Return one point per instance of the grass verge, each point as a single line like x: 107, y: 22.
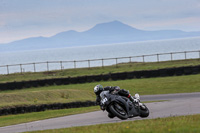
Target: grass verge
x: 22, y: 118
x: 181, y: 124
x: 124, y: 67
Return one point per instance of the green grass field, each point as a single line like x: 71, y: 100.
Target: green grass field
x: 126, y: 67
x: 181, y: 124
x: 84, y: 92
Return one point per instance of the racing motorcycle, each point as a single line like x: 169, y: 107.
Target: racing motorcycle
x: 121, y: 106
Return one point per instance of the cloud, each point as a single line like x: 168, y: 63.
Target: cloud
x: 48, y: 17
x: 2, y: 24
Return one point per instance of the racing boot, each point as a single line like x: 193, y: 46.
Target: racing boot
x: 142, y: 106
x: 134, y: 100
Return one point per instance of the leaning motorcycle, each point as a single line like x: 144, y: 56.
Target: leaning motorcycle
x: 121, y: 106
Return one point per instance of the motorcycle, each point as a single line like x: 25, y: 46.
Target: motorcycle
x: 121, y: 106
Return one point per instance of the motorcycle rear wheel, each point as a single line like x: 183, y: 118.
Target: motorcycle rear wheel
x: 118, y: 111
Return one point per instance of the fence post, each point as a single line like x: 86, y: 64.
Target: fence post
x: 61, y: 67
x: 103, y: 62
x: 143, y: 58
x: 116, y: 62
x: 47, y: 66
x: 74, y: 64
x: 21, y: 68
x: 34, y: 67
x: 171, y: 56
x: 157, y: 57
x: 185, y: 55
x: 199, y: 54
x: 7, y: 70
x: 130, y: 59
x: 89, y: 63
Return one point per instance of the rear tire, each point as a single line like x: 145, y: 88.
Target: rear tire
x: 118, y: 111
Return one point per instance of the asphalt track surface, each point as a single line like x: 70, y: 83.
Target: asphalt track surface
x: 175, y: 105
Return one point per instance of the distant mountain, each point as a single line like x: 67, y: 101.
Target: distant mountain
x: 104, y: 33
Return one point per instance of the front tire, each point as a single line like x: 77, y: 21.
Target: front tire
x: 111, y: 116
x: 118, y: 111
x: 144, y: 112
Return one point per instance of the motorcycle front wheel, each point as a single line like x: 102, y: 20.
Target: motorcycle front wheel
x: 118, y: 111
x: 144, y: 112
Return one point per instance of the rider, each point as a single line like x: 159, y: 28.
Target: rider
x: 99, y: 88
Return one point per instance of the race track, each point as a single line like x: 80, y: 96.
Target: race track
x: 176, y: 104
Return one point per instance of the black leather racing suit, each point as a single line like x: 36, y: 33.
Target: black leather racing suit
x: 121, y: 92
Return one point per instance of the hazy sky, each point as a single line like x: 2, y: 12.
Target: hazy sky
x: 30, y: 18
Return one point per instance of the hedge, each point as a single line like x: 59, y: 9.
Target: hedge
x: 105, y: 77
x: 43, y: 107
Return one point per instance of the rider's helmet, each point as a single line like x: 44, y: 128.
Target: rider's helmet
x: 98, y: 89
x: 117, y: 88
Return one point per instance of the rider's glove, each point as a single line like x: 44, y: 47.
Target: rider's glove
x: 98, y: 100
